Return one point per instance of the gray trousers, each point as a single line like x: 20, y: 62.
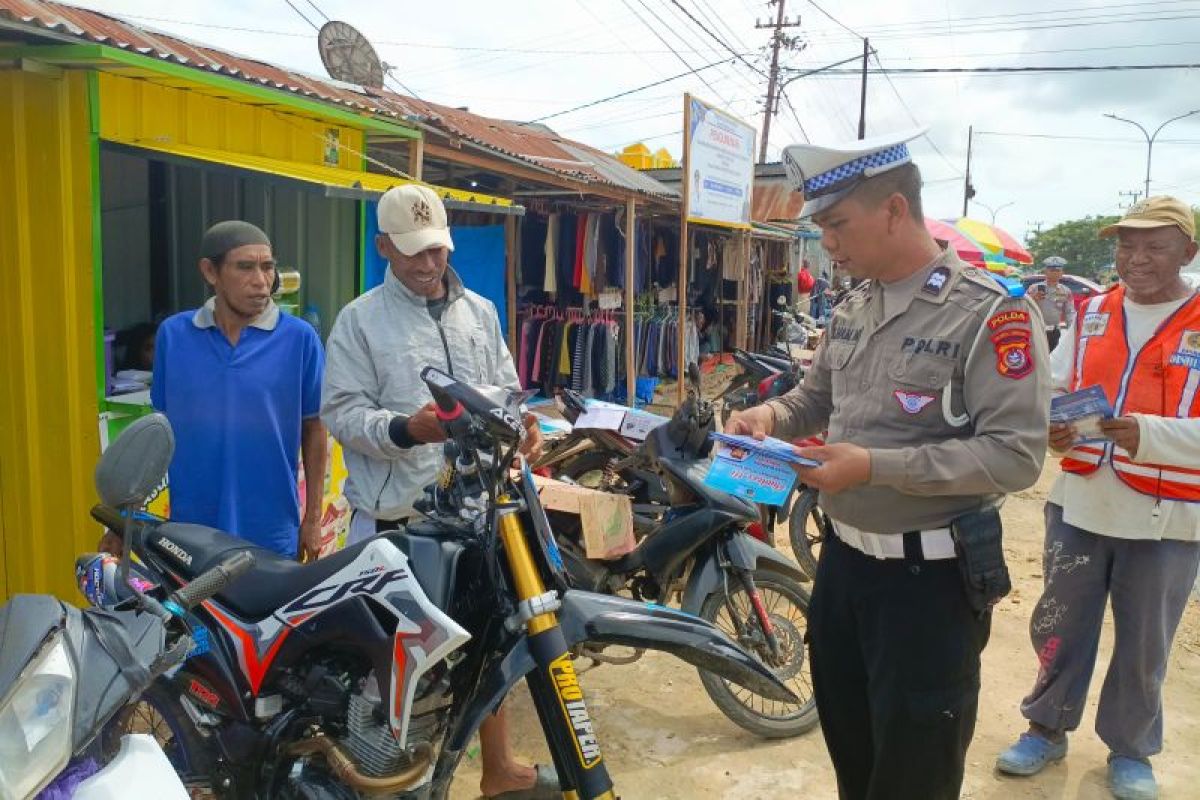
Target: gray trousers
x: 1149, y: 582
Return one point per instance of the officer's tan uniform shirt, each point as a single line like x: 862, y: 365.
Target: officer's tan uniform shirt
x: 945, y: 383
x: 1058, y: 309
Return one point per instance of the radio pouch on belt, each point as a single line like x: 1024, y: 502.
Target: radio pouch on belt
x: 978, y: 544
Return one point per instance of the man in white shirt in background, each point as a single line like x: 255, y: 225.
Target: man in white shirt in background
x: 1123, y: 519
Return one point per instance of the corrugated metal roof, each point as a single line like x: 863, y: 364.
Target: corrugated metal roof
x: 533, y: 144
x: 93, y: 26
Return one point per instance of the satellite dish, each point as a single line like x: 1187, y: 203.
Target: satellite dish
x: 348, y: 56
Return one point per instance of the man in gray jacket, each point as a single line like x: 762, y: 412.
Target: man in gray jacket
x: 375, y: 403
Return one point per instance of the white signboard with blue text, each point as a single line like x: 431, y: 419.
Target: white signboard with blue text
x: 720, y: 166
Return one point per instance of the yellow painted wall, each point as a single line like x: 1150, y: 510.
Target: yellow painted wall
x: 49, y: 433
x: 133, y: 111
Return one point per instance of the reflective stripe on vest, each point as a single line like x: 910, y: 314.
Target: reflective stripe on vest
x: 1161, y: 379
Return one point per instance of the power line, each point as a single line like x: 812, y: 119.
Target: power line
x: 314, y: 25
x: 662, y: 39
x: 1017, y: 70
x: 984, y: 22
x: 318, y: 10
x: 1069, y: 137
x: 840, y: 24
x: 631, y: 91
x: 914, y: 119
x: 718, y: 39
x: 1074, y: 22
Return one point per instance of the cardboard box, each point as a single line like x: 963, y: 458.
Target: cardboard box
x: 606, y: 519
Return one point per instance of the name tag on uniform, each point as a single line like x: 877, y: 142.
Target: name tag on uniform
x: 1188, y: 354
x: 1094, y: 324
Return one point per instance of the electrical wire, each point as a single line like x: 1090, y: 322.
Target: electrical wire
x: 629, y: 91
x: 314, y: 25
x: 837, y: 21
x: 717, y: 38
x: 662, y: 39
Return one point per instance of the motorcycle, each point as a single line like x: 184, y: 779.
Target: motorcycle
x: 763, y: 376
x: 68, y: 677
x: 700, y: 551
x: 368, y: 672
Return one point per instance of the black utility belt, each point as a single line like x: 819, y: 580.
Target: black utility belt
x: 978, y: 541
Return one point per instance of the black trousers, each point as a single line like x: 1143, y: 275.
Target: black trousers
x: 895, y: 663
x: 1052, y: 336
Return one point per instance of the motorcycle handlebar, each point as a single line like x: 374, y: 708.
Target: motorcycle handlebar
x: 214, y: 580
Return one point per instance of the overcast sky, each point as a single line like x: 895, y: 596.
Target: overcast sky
x: 1057, y: 159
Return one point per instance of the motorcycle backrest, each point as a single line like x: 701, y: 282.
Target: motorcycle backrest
x: 135, y: 464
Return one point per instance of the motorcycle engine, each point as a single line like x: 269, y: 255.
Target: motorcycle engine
x: 369, y: 739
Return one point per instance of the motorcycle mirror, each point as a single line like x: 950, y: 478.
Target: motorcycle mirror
x: 694, y: 376
x: 134, y: 465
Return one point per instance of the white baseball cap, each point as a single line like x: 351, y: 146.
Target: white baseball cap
x: 414, y: 218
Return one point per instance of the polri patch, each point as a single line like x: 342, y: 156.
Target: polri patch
x: 1013, y: 359
x: 1094, y: 324
x: 1010, y: 317
x: 912, y: 403
x: 936, y: 281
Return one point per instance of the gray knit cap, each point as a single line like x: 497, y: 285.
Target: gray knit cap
x: 225, y: 236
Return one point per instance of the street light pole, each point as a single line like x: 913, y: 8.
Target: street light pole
x: 994, y: 211
x: 1150, y: 137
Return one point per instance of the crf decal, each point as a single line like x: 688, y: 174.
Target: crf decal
x: 326, y: 595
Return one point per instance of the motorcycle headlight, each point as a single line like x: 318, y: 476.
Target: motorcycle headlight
x: 35, y: 723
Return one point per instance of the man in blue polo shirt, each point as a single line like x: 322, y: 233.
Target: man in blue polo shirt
x: 241, y: 384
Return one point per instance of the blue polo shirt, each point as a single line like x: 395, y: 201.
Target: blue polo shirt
x: 236, y: 412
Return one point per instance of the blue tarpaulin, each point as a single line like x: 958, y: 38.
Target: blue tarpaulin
x: 478, y: 258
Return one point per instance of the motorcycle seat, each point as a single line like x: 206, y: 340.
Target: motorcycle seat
x: 274, y: 581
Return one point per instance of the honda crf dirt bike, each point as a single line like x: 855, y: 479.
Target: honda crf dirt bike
x: 367, y: 672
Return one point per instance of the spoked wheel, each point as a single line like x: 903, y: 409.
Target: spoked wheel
x: 159, y: 713
x: 808, y: 526
x: 786, y: 605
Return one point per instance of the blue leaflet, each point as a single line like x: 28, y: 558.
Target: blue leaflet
x: 1083, y: 409
x: 761, y: 471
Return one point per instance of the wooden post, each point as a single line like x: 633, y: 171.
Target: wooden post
x: 743, y: 304
x: 416, y: 157
x: 510, y: 281
x: 685, y: 246
x: 630, y: 328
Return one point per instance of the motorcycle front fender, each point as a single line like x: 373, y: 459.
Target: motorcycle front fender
x: 743, y: 552
x: 603, y: 619
x: 140, y: 763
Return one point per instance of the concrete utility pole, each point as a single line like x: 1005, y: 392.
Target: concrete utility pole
x: 862, y: 101
x: 778, y: 40
x: 968, y: 189
x: 1150, y: 137
x: 1133, y: 196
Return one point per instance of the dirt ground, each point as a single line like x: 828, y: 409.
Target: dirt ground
x: 663, y: 738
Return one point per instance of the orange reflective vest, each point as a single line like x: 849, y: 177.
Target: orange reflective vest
x: 1160, y: 379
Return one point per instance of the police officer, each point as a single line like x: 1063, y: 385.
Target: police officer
x: 1054, y: 299
x: 933, y: 387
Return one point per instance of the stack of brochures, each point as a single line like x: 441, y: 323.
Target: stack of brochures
x: 1084, y: 410
x: 762, y: 471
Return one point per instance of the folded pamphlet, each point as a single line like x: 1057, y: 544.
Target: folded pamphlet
x: 1083, y: 409
x: 761, y: 471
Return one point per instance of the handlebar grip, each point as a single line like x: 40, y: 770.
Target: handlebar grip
x: 109, y: 517
x: 215, y: 579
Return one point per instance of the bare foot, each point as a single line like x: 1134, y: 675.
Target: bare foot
x: 512, y: 778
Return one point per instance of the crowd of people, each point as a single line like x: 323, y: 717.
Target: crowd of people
x: 934, y: 386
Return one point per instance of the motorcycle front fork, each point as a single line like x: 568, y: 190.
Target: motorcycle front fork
x: 555, y: 688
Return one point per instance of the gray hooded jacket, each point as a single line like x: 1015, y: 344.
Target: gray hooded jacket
x: 379, y: 344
